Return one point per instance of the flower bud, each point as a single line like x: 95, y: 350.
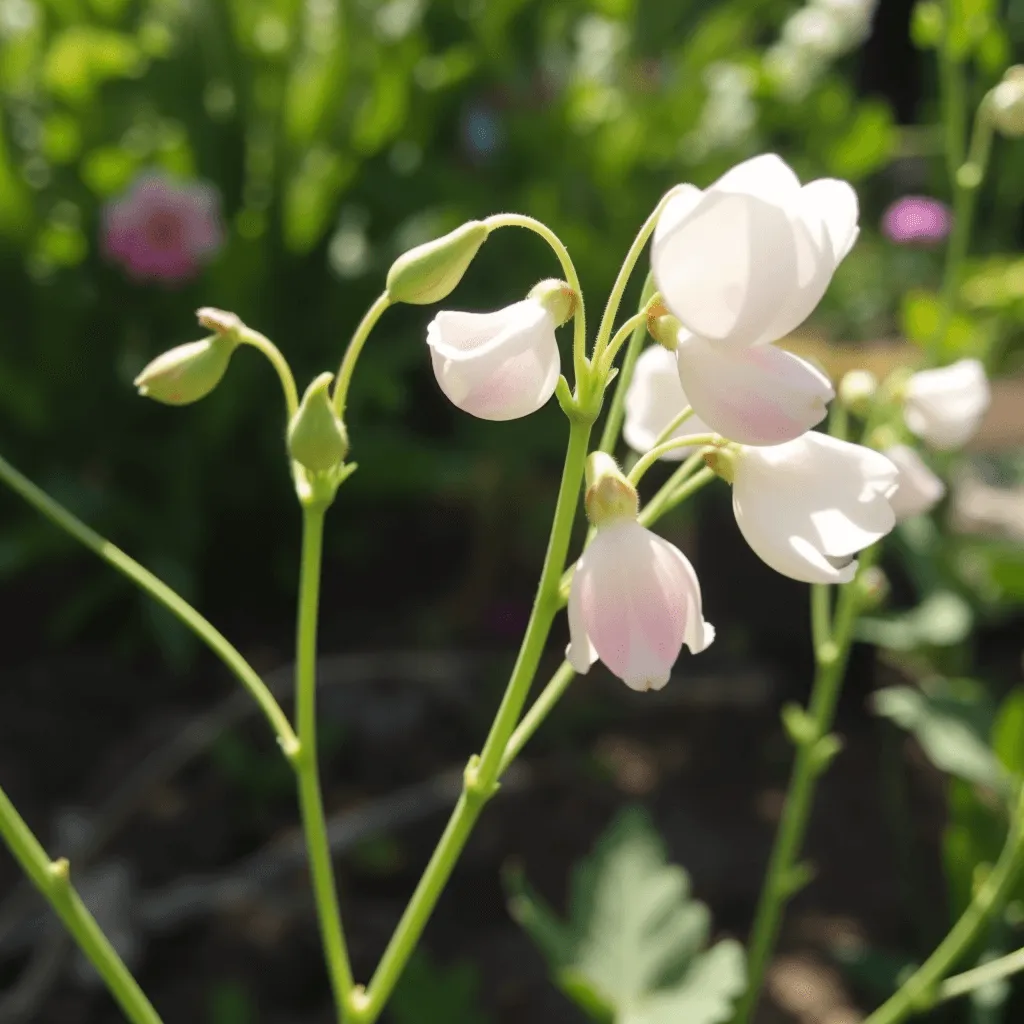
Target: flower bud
x: 610, y: 496
x: 431, y: 271
x: 872, y: 588
x: 220, y: 321
x: 1006, y: 103
x: 722, y: 462
x: 857, y: 390
x: 317, y: 438
x: 188, y: 372
x: 557, y: 298
x: 663, y: 327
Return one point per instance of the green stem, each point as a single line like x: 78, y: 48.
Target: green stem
x: 924, y: 986
x: 541, y: 708
x: 52, y: 879
x: 627, y: 330
x: 355, y: 347
x: 611, y: 309
x: 967, y: 182
x: 662, y: 501
x: 482, y: 773
x: 986, y: 974
x: 953, y: 97
x: 686, y: 441
x: 821, y: 615
x: 782, y: 880
x: 673, y: 425
x: 579, y: 340
x: 161, y: 593
x: 613, y: 424
x: 306, y: 766
x: 247, y: 336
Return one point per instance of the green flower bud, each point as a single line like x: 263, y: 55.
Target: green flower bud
x: 317, y: 438
x: 431, y: 271
x: 1006, y: 103
x: 187, y: 373
x: 557, y: 298
x: 610, y: 496
x: 663, y: 327
x: 722, y: 462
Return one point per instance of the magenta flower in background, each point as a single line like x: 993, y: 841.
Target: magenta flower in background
x: 917, y: 220
x: 162, y: 229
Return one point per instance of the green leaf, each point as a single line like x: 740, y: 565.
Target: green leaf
x: 866, y: 145
x: 942, y: 619
x: 311, y: 196
x: 927, y: 23
x: 428, y: 994
x: 949, y: 721
x: 83, y: 57
x: 635, y: 949
x: 1008, y: 733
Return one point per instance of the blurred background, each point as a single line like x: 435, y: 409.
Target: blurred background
x: 272, y: 157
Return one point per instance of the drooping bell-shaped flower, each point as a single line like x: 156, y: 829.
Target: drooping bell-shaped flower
x: 918, y: 488
x: 808, y: 506
x: 634, y: 599
x: 496, y: 366
x: 740, y: 265
x: 654, y: 398
x: 944, y: 407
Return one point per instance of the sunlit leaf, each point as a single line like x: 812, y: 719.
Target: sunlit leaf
x: 82, y: 57
x: 635, y: 949
x: 311, y: 197
x: 867, y: 144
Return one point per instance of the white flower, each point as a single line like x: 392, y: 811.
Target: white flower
x: 918, y: 489
x: 741, y: 265
x: 497, y: 366
x: 634, y: 602
x: 945, y: 406
x: 654, y: 398
x: 808, y: 506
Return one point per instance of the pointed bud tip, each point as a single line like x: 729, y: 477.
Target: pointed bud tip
x: 430, y: 272
x: 186, y: 373
x: 317, y: 438
x: 220, y: 321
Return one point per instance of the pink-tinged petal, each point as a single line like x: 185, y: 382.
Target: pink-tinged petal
x: 807, y: 506
x: 756, y: 396
x: 637, y: 602
x: 654, y: 398
x: 496, y: 366
x: 580, y: 653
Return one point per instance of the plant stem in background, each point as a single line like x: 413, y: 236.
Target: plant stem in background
x: 966, y: 183
x: 579, y: 321
x: 52, y: 879
x: 995, y: 970
x: 161, y: 593
x: 355, y: 347
x: 616, y: 412
x: 784, y: 877
x: 924, y: 987
x: 483, y: 773
x: 306, y: 766
x: 952, y: 94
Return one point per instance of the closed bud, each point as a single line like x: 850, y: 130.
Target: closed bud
x: 872, y: 588
x: 187, y: 373
x: 317, y: 439
x: 1006, y: 103
x: 220, y: 321
x: 557, y: 298
x: 663, y: 327
x: 857, y: 390
x: 722, y: 462
x: 431, y: 271
x: 610, y: 496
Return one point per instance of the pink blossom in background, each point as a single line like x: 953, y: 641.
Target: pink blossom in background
x: 162, y: 229
x: 917, y: 220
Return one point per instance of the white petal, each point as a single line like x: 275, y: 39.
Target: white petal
x: 836, y: 204
x: 766, y: 177
x: 757, y: 396
x: 946, y: 406
x: 654, y: 398
x: 919, y: 489
x: 683, y: 199
x: 807, y: 506
x: 580, y: 653
x: 639, y: 601
x: 496, y: 366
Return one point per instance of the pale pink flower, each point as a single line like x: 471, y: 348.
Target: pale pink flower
x: 918, y: 489
x: 496, y: 366
x: 945, y: 406
x: 741, y: 265
x: 634, y: 601
x: 163, y: 230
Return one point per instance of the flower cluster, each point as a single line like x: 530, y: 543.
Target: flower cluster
x: 737, y: 266
x: 812, y: 38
